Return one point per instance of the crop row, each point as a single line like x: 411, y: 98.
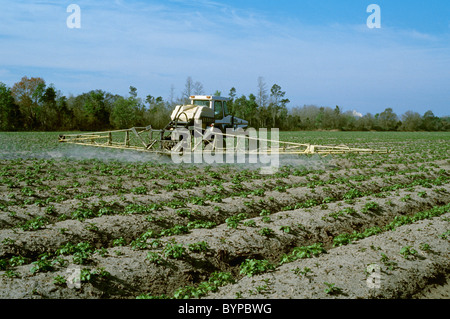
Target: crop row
x: 213, y: 208
x: 163, y: 253
x: 210, y: 209
x: 239, y: 187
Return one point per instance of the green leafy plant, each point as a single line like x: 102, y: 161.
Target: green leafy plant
x: 332, y: 289
x: 370, y: 206
x: 286, y: 229
x: 408, y: 252
x: 266, y: 232
x: 175, y: 230
x: 198, y: 247
x: 303, y: 252
x: 83, y: 213
x: 196, y: 200
x: 155, y: 258
x: 422, y: 194
x: 43, y: 264
x: 445, y: 235
x: 406, y: 198
x: 141, y: 190
x: 119, y: 242
x: 27, y: 191
x: 81, y: 252
x: 264, y: 212
x: 328, y: 200
x: 266, y: 219
x: 91, y: 227
x: 303, y: 271
x: 343, y: 212
x: 59, y: 280
x: 50, y: 210
x: 346, y: 238
x: 35, y: 224
x: 234, y: 221
x: 251, y: 267
x: 11, y: 274
x: 387, y: 262
x: 201, y: 224
x: 184, y: 213
x: 175, y: 204
x: 250, y: 223
x: 353, y: 193
x: 217, y: 279
x: 17, y: 261
x: 3, y: 264
x: 175, y: 251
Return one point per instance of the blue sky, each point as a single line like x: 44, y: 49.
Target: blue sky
x: 320, y: 52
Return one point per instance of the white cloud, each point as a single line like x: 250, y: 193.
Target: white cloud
x: 356, y: 113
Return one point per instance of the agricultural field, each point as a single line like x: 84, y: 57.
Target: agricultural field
x: 81, y: 222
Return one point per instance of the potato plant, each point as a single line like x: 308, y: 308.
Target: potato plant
x: 215, y: 223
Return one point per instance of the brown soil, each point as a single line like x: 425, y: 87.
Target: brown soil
x: 372, y: 267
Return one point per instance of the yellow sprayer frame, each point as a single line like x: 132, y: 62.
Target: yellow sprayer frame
x: 147, y: 139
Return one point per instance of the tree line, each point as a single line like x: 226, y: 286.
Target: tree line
x: 31, y: 104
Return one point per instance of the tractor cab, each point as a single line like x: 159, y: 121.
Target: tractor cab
x: 219, y: 105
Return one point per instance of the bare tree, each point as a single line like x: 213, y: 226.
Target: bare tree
x: 188, y: 89
x: 262, y: 96
x: 198, y: 88
x: 191, y: 88
x: 172, y: 96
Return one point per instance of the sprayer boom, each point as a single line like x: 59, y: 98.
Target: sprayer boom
x: 196, y: 139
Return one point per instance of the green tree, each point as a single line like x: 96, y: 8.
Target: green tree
x: 158, y: 113
x: 27, y: 93
x: 388, y: 120
x: 124, y: 113
x: 232, y: 96
x: 338, y: 119
x: 366, y: 123
x: 91, y: 110
x: 63, y: 114
x: 49, y: 115
x: 411, y: 121
x: 246, y: 109
x: 10, y: 117
x: 431, y: 122
x: 278, y: 103
x: 96, y: 110
x: 319, y: 118
x: 350, y: 121
x: 127, y: 112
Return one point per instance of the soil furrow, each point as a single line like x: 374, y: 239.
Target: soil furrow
x: 228, y: 248
x: 105, y: 229
x: 374, y: 267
